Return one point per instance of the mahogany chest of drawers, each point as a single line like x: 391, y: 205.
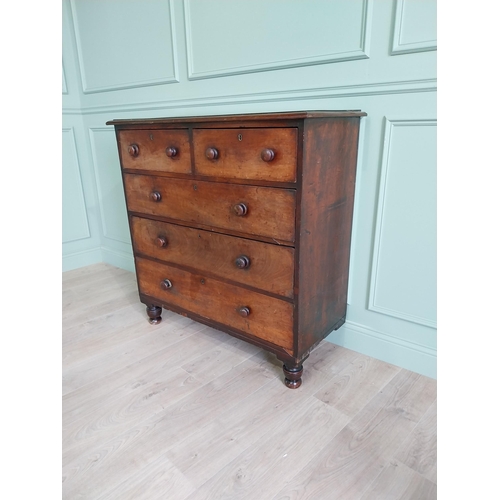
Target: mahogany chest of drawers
x: 243, y: 222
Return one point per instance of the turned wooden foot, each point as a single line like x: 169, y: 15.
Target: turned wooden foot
x: 154, y: 313
x: 293, y: 375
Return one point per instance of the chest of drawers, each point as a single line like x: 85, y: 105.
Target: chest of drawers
x: 243, y: 222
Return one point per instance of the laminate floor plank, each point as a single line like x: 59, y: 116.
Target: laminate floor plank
x: 97, y: 307
x: 330, y: 358
x: 211, y: 448
x: 90, y: 274
x: 100, y: 327
x: 159, y: 480
x: 94, y: 345
x: 352, y: 460
x: 419, y: 451
x: 84, y: 297
x: 132, y: 376
x: 101, y: 281
x: 105, y: 467
x: 115, y: 417
x: 102, y: 364
x: 182, y: 411
x: 356, y: 384
x: 219, y: 360
x: 272, y: 461
x: 398, y: 482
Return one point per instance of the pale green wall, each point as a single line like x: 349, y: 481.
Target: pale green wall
x: 132, y: 58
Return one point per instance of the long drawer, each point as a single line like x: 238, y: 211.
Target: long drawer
x: 261, y: 265
x: 264, y: 317
x: 254, y: 210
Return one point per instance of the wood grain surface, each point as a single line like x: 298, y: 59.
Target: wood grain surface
x: 270, y: 266
x: 152, y: 154
x: 326, y: 208
x: 239, y: 153
x: 271, y: 211
x: 237, y: 120
x: 269, y: 319
x: 180, y: 410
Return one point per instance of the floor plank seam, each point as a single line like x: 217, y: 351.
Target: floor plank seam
x: 208, y: 416
x: 118, y: 369
x: 403, y: 443
x: 106, y: 443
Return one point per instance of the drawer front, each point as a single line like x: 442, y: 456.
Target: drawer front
x: 254, y: 210
x: 156, y: 150
x: 261, y: 265
x: 260, y: 154
x: 268, y: 318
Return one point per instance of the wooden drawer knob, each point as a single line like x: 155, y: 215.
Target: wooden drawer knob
x: 171, y: 151
x: 133, y: 150
x: 161, y: 242
x: 155, y: 196
x: 267, y: 155
x: 243, y: 311
x: 166, y: 284
x: 240, y: 209
x: 242, y: 262
x: 211, y: 153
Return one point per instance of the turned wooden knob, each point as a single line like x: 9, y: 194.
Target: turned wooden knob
x: 161, y: 242
x: 166, y: 284
x: 243, y: 311
x: 171, y: 151
x: 155, y: 196
x: 133, y: 150
x: 211, y: 153
x: 267, y: 155
x: 242, y: 262
x: 240, y: 209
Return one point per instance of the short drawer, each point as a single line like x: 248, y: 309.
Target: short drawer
x: 264, y: 211
x: 255, y: 154
x: 156, y: 150
x: 265, y: 317
x: 261, y: 265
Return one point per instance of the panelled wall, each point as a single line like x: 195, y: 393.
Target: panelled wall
x: 153, y: 58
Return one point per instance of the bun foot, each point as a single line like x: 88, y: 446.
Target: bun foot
x: 154, y: 313
x: 293, y: 376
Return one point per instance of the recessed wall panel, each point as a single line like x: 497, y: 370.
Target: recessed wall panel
x: 64, y: 86
x: 124, y: 44
x: 109, y: 185
x: 403, y: 282
x: 415, y: 26
x: 75, y: 224
x: 230, y: 37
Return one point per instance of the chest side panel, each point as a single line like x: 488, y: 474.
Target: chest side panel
x: 326, y: 207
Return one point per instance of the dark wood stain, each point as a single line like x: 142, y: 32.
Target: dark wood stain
x: 271, y: 212
x: 240, y: 153
x: 330, y: 152
x: 269, y: 319
x: 267, y: 119
x: 152, y: 148
x: 270, y: 267
x: 243, y: 222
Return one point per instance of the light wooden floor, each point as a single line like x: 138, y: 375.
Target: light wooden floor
x: 181, y: 411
